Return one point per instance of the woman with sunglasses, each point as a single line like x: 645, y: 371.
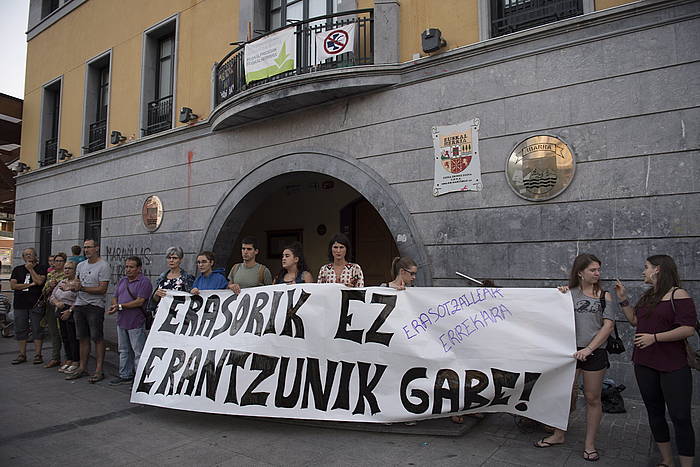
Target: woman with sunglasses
x: 403, y: 270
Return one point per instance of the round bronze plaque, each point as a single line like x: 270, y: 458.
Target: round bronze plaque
x: 152, y: 213
x: 540, y: 168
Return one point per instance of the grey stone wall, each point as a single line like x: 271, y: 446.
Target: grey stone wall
x: 622, y: 88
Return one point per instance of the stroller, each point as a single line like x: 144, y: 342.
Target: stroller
x: 7, y: 325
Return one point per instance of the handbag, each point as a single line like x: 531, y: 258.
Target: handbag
x: 692, y: 355
x: 614, y: 345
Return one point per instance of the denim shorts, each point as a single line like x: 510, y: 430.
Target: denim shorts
x: 596, y: 361
x: 89, y: 322
x: 24, y: 319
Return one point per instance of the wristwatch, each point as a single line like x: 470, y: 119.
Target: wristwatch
x: 120, y: 307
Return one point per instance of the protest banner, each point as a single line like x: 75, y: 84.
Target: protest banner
x: 271, y: 55
x: 457, y: 161
x: 334, y: 42
x: 328, y: 352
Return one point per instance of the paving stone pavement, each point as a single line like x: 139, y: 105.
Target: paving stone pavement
x: 49, y: 421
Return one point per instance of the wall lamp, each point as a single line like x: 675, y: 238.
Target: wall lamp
x: 431, y: 40
x: 64, y: 155
x: 116, y: 137
x: 22, y: 167
x: 186, y: 115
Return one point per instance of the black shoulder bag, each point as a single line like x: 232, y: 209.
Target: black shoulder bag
x: 692, y: 354
x: 615, y: 345
x: 148, y: 321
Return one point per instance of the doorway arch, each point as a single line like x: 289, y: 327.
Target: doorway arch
x: 247, y: 193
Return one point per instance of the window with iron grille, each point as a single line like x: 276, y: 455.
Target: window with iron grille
x: 159, y: 78
x: 45, y: 235
x: 50, y: 117
x: 97, y: 104
x: 509, y: 16
x: 92, y: 228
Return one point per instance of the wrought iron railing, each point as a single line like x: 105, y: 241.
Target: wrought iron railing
x: 230, y: 73
x: 97, y: 135
x: 509, y: 16
x: 160, y: 115
x: 50, y: 152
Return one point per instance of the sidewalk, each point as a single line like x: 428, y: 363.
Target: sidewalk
x: 49, y: 421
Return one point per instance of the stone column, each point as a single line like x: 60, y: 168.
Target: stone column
x: 386, y: 31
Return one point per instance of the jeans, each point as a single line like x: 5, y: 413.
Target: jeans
x: 131, y: 342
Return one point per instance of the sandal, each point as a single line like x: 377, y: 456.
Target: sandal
x: 52, y: 364
x: 76, y: 374
x: 38, y: 359
x: 546, y: 444
x: 64, y: 368
x: 96, y: 377
x: 591, y: 456
x: 21, y: 358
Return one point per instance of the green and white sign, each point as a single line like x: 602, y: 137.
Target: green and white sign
x: 270, y: 55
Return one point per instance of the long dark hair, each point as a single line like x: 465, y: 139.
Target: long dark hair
x: 343, y: 240
x: 581, y: 262
x: 298, y: 252
x: 666, y: 279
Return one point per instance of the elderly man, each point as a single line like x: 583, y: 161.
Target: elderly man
x: 130, y: 300
x: 26, y: 281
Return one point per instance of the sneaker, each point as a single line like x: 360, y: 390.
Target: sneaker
x: 117, y: 381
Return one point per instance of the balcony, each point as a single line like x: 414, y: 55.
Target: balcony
x: 50, y: 152
x: 160, y: 115
x: 97, y: 134
x: 509, y: 16
x: 310, y: 82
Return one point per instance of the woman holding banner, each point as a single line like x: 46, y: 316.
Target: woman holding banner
x: 339, y: 270
x: 175, y: 278
x: 209, y: 278
x: 594, y: 317
x: 294, y: 270
x: 664, y: 316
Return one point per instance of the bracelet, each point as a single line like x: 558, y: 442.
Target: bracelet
x: 625, y: 302
x: 655, y: 339
x: 586, y: 347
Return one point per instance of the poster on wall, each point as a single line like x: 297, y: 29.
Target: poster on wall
x: 328, y: 352
x: 271, y: 55
x: 457, y: 162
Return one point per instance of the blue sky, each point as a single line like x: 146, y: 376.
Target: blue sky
x: 13, y: 46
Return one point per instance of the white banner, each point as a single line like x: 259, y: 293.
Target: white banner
x: 457, y: 161
x: 331, y: 43
x: 270, y: 55
x: 327, y: 352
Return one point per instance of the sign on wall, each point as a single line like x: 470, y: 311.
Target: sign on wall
x: 334, y: 42
x: 271, y: 55
x: 457, y: 162
x: 540, y: 167
x: 152, y: 213
x: 324, y: 351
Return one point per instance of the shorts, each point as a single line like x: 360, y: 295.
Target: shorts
x: 28, y: 319
x: 596, y: 361
x: 89, y: 322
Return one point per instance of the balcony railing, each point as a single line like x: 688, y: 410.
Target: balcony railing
x: 160, y: 115
x: 230, y: 73
x: 97, y: 134
x: 50, y: 152
x: 515, y: 15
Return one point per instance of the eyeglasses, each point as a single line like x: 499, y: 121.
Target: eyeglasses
x: 413, y: 274
x: 60, y: 260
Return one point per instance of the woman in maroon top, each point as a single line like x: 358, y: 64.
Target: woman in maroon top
x: 664, y: 317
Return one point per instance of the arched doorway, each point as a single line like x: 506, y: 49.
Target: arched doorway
x: 263, y: 184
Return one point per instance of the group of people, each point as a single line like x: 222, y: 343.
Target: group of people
x: 74, y: 299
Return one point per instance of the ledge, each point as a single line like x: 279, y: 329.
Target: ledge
x: 295, y: 92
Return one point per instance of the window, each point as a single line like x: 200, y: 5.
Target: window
x: 96, y: 104
x: 283, y: 12
x: 509, y: 16
x: 50, y: 117
x: 159, y: 78
x: 45, y: 228
x: 92, y: 215
x: 48, y: 7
